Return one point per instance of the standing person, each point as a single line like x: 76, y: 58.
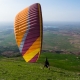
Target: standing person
x: 46, y: 64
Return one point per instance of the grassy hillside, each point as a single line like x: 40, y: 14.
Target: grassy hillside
x: 63, y: 66
x: 18, y: 69
x: 65, y: 61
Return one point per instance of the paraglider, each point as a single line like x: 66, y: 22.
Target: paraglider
x: 28, y: 29
x: 46, y: 64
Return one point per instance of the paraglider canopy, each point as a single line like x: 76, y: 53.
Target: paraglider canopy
x: 28, y: 30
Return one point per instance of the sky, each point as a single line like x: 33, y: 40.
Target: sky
x: 52, y: 10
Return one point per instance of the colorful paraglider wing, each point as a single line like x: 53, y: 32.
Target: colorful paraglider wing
x: 28, y: 30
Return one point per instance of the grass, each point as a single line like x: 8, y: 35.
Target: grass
x: 17, y: 69
x: 63, y: 61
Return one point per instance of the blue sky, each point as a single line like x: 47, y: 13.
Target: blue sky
x: 52, y: 10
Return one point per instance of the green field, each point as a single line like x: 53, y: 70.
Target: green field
x: 51, y: 41
x: 58, y: 42
x: 60, y: 69
x: 7, y: 39
x: 65, y: 61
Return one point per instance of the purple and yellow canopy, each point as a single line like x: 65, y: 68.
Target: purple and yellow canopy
x: 28, y: 30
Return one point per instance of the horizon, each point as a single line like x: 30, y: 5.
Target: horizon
x: 44, y: 22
